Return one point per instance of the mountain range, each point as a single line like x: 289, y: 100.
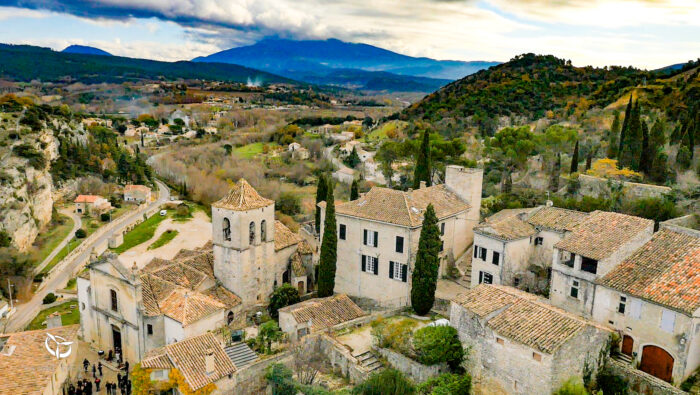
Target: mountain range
x: 351, y: 65
x: 19, y: 63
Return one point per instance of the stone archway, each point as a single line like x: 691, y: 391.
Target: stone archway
x: 657, y: 362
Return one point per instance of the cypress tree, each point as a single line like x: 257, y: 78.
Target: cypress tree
x: 625, y: 126
x: 422, y: 171
x: 321, y: 191
x: 659, y: 169
x: 646, y: 156
x: 614, y: 136
x: 329, y: 246
x: 574, y: 160
x: 589, y: 160
x: 657, y: 137
x: 632, y: 143
x: 354, y: 191
x: 425, y: 272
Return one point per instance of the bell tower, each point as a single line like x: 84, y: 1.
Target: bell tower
x: 243, y: 225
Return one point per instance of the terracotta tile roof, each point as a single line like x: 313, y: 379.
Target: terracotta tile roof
x: 223, y: 295
x: 403, y: 208
x: 186, y: 306
x: 87, y: 198
x: 29, y: 368
x: 556, y: 218
x: 507, y: 225
x: 602, y: 233
x: 665, y: 270
x: 243, y: 197
x: 284, y: 237
x: 188, y: 356
x: 523, y: 317
x: 325, y: 312
x: 305, y: 248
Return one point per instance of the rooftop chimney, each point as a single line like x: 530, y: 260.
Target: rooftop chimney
x: 422, y: 184
x: 209, y: 364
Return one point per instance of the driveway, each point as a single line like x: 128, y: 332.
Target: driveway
x: 27, y: 311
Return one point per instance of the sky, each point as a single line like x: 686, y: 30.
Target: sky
x: 642, y: 33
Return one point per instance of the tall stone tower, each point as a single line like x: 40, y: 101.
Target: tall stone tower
x: 243, y: 226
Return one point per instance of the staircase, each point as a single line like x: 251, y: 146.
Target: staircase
x: 624, y: 358
x: 464, y: 267
x: 369, y: 361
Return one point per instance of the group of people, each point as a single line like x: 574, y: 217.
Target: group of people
x: 86, y: 386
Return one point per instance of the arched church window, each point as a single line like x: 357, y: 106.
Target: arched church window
x: 252, y: 233
x: 227, y: 229
x: 263, y: 231
x: 229, y: 318
x: 113, y: 300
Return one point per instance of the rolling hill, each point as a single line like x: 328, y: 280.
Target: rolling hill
x: 330, y: 62
x: 19, y: 63
x: 85, y: 50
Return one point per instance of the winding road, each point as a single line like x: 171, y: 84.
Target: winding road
x: 25, y: 312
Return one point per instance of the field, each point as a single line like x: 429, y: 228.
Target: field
x: 164, y: 239
x: 47, y: 241
x: 250, y: 150
x: 141, y: 233
x: 70, y: 316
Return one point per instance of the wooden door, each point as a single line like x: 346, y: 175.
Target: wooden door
x: 627, y: 344
x: 657, y: 362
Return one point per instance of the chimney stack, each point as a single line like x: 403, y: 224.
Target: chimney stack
x: 209, y: 363
x: 422, y: 184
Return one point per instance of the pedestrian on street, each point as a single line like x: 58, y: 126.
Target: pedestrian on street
x: 97, y: 384
x: 94, y: 371
x: 99, y: 368
x: 86, y: 363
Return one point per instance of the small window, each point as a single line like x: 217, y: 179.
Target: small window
x: 668, y: 320
x: 263, y: 230
x: 370, y: 238
x: 227, y: 229
x: 636, y: 308
x: 399, y: 244
x: 482, y: 253
x: 251, y: 233
x: 149, y: 329
x: 82, y: 306
x: 623, y: 304
x: 442, y: 245
x: 370, y: 264
x: 398, y: 271
x: 229, y: 318
x: 573, y: 292
x: 476, y: 250
x: 500, y: 341
x: 567, y: 259
x: 516, y: 281
x: 537, y: 356
x: 485, y: 278
x: 442, y: 229
x: 538, y: 241
x: 341, y: 232
x: 496, y: 258
x: 114, y: 301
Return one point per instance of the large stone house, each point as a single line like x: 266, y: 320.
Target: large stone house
x: 523, y: 345
x: 27, y: 367
x: 595, y: 247
x: 140, y: 309
x: 378, y: 234
x: 514, y: 246
x: 137, y: 193
x: 653, y: 299
x: 91, y: 205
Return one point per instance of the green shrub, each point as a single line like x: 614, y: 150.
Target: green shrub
x: 690, y: 381
x: 289, y: 203
x: 36, y: 158
x: 49, y: 298
x: 572, y: 386
x: 437, y: 344
x: 104, y: 217
x: 387, y: 382
x: 446, y: 384
x: 395, y: 334
x: 281, y: 297
x: 611, y: 383
x: 5, y: 239
x: 279, y: 377
x: 80, y: 233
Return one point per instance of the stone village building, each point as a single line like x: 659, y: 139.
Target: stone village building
x: 166, y: 301
x: 378, y: 234
x: 313, y: 315
x: 137, y: 193
x: 595, y: 247
x: 653, y: 299
x: 91, y: 205
x: 522, y: 344
x: 514, y: 246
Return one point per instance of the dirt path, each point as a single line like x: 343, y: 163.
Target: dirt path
x: 192, y: 234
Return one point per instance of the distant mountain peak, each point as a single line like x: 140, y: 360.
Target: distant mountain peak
x: 85, y: 50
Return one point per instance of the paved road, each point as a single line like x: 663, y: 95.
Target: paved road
x: 27, y: 311
x: 77, y: 223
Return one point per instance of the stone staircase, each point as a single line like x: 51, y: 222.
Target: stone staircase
x: 624, y: 358
x: 464, y: 267
x: 369, y: 361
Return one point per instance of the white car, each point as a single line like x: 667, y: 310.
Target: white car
x: 163, y: 213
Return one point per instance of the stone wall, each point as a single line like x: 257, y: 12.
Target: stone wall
x: 250, y: 379
x: 642, y: 383
x: 601, y: 187
x: 413, y: 369
x: 339, y: 357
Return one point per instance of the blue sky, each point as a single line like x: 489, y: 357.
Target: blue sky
x: 643, y: 33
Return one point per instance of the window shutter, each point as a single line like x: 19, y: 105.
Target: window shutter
x: 636, y: 308
x: 364, y: 263
x: 404, y: 273
x: 476, y: 250
x: 364, y: 235
x: 483, y: 254
x: 376, y: 239
x: 376, y: 266
x: 391, y: 269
